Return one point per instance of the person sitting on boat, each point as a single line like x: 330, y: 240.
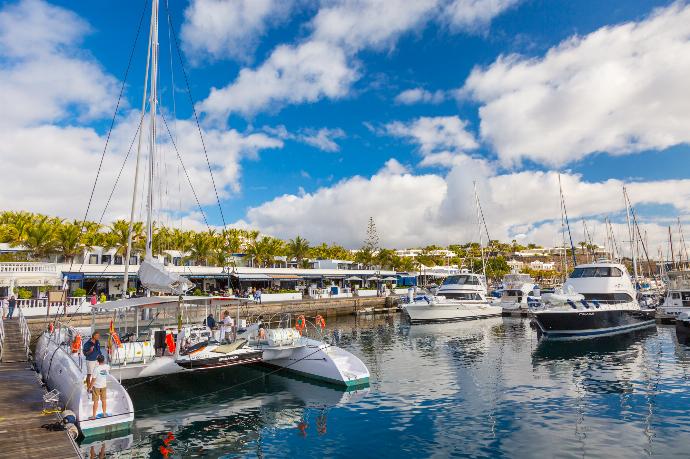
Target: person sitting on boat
x: 98, y: 385
x: 210, y: 322
x: 92, y: 350
x: 226, y: 326
x: 262, y: 333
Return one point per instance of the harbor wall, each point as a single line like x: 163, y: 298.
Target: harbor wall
x: 326, y: 307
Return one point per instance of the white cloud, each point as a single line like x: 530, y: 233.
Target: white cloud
x: 292, y: 74
x: 620, y: 89
x: 439, y: 138
x: 324, y: 64
x: 217, y: 29
x: 323, y: 138
x: 441, y: 209
x: 41, y: 76
x: 420, y: 95
x: 470, y: 14
x: 49, y: 163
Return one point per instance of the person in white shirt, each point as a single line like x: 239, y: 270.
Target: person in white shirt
x: 99, y: 382
x: 226, y: 326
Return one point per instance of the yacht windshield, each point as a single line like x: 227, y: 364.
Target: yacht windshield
x: 465, y: 279
x: 598, y: 271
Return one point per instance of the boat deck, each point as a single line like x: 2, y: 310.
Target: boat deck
x: 21, y: 399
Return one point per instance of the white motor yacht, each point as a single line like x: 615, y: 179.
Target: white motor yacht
x: 288, y: 348
x: 519, y: 290
x: 460, y: 297
x: 597, y: 299
x: 677, y: 298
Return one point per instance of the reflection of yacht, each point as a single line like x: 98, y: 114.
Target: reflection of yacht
x: 677, y: 299
x: 518, y: 291
x: 683, y: 324
x: 285, y: 347
x: 597, y: 299
x: 460, y: 297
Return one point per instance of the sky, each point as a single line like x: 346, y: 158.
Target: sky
x: 316, y: 115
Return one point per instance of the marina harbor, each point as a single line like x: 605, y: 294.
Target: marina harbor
x: 344, y: 229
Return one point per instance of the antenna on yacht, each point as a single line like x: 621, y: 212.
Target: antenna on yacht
x: 479, y: 227
x: 154, y: 21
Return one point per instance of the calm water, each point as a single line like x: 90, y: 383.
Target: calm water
x: 480, y: 389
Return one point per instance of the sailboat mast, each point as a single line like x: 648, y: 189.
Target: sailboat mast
x: 481, y: 238
x: 136, y: 171
x: 152, y: 138
x: 632, y: 236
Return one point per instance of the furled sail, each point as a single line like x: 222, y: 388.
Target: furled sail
x: 154, y: 276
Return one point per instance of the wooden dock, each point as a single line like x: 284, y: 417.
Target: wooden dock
x: 21, y: 399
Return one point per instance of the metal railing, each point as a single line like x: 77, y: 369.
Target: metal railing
x: 27, y: 267
x: 26, y: 333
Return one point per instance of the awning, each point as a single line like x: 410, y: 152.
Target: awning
x: 354, y: 278
x: 252, y: 277
x: 284, y: 277
x: 390, y: 278
x: 74, y: 276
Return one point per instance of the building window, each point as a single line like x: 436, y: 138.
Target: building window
x: 133, y: 260
x: 118, y: 259
x: 106, y: 259
x: 93, y: 259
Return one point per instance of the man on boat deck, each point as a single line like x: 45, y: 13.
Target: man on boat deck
x: 210, y: 322
x: 99, y: 384
x: 92, y: 350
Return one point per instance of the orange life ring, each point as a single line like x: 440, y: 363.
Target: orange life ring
x: 320, y: 322
x: 116, y: 339
x: 301, y: 324
x: 76, y: 344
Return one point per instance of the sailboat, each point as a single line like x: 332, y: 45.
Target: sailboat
x: 460, y: 297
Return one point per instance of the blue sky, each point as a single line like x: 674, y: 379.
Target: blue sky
x: 326, y: 113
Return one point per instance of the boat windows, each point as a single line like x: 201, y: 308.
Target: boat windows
x: 461, y: 280
x: 468, y: 296
x: 675, y: 296
x: 608, y: 297
x: 597, y: 271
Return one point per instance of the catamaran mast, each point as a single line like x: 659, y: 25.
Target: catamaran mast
x: 136, y: 171
x: 152, y: 138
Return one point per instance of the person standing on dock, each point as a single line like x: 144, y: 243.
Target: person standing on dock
x: 11, y: 304
x: 92, y: 350
x: 99, y: 385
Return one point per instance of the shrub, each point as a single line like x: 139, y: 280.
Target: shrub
x: 79, y: 292
x: 24, y: 294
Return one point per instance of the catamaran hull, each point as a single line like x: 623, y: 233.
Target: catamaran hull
x: 587, y: 324
x: 210, y: 363
x: 424, y: 313
x: 320, y: 361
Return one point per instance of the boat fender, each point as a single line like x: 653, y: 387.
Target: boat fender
x: 585, y: 304
x: 572, y: 304
x: 72, y: 430
x: 320, y: 322
x: 596, y: 304
x: 76, y: 344
x: 301, y: 324
x: 170, y: 342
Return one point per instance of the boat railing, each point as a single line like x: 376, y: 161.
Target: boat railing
x: 62, y: 335
x: 26, y: 333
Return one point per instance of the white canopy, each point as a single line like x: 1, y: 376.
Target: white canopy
x: 374, y: 278
x: 354, y: 278
x: 154, y: 276
x: 390, y: 278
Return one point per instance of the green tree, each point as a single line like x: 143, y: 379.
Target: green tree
x: 298, y: 249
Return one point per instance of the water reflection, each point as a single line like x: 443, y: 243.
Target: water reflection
x: 485, y: 388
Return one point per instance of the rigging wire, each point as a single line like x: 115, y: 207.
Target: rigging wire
x: 184, y: 168
x: 112, y: 121
x: 196, y: 116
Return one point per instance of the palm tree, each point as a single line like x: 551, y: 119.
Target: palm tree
x: 40, y: 237
x: 201, y: 247
x: 298, y: 248
x: 118, y: 236
x: 69, y: 240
